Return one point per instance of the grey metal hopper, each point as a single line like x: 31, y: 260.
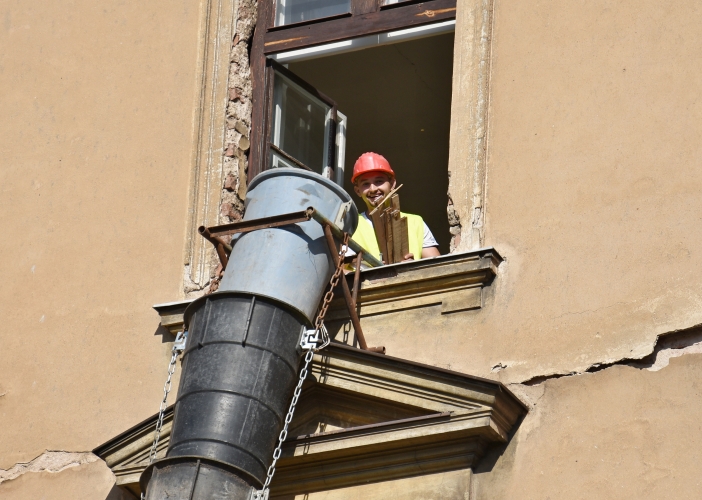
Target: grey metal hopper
x: 299, y: 281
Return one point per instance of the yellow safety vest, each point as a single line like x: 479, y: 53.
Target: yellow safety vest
x: 365, y: 235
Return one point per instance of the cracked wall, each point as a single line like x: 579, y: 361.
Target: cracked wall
x: 594, y: 208
x: 622, y: 432
x: 61, y: 475
x: 238, y: 115
x: 591, y: 194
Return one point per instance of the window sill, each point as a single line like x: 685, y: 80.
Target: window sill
x: 454, y: 281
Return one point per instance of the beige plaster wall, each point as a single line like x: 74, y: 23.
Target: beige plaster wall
x: 593, y: 179
x: 591, y: 188
x: 97, y: 104
x: 620, y: 433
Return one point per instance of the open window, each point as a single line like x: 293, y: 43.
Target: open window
x: 305, y: 128
x: 387, y: 64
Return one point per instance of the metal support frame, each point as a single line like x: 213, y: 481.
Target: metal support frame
x: 331, y: 231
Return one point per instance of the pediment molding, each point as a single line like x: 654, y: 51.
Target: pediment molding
x: 364, y: 417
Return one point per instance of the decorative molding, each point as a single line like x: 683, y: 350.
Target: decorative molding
x: 207, y: 175
x: 455, y: 281
x: 469, y: 127
x: 447, y: 422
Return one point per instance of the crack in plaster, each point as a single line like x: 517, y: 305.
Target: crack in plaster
x: 49, y: 461
x: 668, y: 345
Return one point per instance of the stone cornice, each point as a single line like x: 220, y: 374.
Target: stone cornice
x: 454, y: 281
x: 447, y: 421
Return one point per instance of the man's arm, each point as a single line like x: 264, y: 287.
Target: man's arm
x: 430, y: 248
x: 430, y: 252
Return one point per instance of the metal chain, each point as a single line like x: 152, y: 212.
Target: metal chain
x: 178, y: 347
x: 319, y: 325
x: 332, y: 283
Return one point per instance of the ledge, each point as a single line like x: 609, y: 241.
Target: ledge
x: 447, y: 422
x: 454, y: 281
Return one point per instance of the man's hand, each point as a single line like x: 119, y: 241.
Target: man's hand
x: 408, y: 257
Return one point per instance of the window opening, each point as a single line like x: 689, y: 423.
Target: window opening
x: 397, y: 97
x: 387, y: 63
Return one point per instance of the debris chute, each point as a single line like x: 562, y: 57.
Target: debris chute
x: 240, y: 363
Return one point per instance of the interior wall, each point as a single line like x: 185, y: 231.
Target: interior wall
x: 398, y: 102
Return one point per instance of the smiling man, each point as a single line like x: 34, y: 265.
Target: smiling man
x: 373, y: 179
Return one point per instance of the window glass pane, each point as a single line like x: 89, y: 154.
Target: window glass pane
x: 390, y: 2
x: 295, y: 11
x: 301, y: 125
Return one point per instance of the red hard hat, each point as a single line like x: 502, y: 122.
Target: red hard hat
x: 371, y: 162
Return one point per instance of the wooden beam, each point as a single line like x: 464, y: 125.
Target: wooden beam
x: 381, y: 21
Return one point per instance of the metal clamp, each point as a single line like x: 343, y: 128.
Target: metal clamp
x: 180, y: 341
x: 259, y: 495
x: 315, y: 339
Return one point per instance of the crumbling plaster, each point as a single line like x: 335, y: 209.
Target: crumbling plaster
x: 218, y: 184
x: 622, y: 432
x: 590, y: 187
x: 61, y: 475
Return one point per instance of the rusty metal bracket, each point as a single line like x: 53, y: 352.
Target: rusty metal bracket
x: 350, y: 302
x: 331, y: 231
x: 214, y: 234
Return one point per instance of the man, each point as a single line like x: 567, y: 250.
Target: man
x: 373, y: 179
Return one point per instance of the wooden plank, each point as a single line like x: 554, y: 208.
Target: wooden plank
x: 397, y: 237
x: 389, y: 237
x: 381, y: 21
x: 404, y: 238
x: 379, y: 228
x: 395, y: 202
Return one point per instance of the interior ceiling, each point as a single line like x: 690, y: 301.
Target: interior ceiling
x: 398, y: 102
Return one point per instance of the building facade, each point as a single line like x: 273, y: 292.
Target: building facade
x: 552, y: 147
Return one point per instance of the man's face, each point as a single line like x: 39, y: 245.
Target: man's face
x: 373, y: 187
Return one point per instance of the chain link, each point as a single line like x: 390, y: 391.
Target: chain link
x: 332, y: 283
x: 178, y: 347
x: 319, y: 325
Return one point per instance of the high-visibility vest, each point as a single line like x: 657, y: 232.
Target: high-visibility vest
x: 365, y: 235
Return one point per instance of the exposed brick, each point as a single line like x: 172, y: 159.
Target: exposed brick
x: 230, y: 182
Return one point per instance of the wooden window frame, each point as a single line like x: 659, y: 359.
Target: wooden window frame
x: 367, y: 17
x: 271, y: 67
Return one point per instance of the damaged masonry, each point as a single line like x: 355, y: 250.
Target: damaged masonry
x: 552, y: 350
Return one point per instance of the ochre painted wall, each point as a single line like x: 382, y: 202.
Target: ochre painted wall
x: 621, y: 433
x: 97, y: 103
x: 592, y: 192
